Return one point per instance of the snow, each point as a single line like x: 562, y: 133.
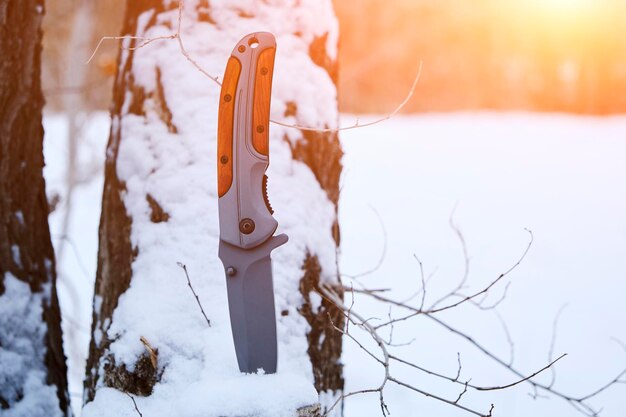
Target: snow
x: 195, y: 396
x: 561, y: 177
x: 22, y: 350
x: 76, y: 264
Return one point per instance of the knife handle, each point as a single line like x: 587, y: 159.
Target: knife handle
x: 261, y: 104
x: 225, y: 126
x: 245, y: 214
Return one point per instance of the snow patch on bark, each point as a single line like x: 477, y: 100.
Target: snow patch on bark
x: 23, y: 384
x: 15, y: 251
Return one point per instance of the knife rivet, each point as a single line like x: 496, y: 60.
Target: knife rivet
x: 241, y: 48
x: 227, y: 98
x: 263, y: 71
x: 231, y: 271
x: 246, y: 226
x: 260, y: 129
x: 224, y: 159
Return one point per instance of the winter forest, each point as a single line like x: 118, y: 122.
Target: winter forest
x: 312, y: 208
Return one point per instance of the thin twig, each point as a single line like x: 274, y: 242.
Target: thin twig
x: 576, y: 402
x: 465, y: 299
x: 184, y: 267
x: 555, y: 325
x: 146, y: 41
x: 451, y: 402
x: 458, y: 372
x: 134, y: 403
x: 183, y: 50
x: 476, y: 387
x: 383, y: 253
x: 357, y: 124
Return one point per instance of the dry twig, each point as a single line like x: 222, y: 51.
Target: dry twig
x: 134, y: 403
x: 177, y: 35
x: 154, y: 353
x: 184, y: 268
x: 476, y: 299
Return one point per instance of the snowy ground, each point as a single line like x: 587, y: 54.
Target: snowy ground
x: 497, y: 174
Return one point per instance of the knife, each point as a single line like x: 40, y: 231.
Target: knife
x: 245, y: 216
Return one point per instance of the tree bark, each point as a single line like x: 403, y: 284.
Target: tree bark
x: 164, y: 114
x: 33, y: 380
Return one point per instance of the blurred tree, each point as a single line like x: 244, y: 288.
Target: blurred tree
x: 33, y: 379
x: 157, y: 103
x: 72, y: 32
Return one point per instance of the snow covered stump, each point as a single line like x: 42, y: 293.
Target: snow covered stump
x: 150, y: 340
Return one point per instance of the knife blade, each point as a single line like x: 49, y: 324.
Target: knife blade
x: 246, y: 218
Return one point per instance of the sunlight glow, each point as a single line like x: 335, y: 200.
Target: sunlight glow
x: 565, y: 6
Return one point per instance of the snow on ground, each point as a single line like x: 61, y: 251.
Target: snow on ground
x: 23, y: 379
x: 77, y: 247
x: 496, y: 174
x: 560, y: 176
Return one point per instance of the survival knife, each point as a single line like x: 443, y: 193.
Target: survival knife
x: 245, y: 216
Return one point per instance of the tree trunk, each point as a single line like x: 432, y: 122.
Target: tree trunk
x: 149, y: 338
x: 33, y: 380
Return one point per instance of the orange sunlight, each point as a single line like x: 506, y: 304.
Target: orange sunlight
x: 566, y: 6
x: 538, y: 55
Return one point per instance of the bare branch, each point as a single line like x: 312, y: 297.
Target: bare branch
x: 331, y: 296
x: 181, y: 4
x: 578, y: 403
